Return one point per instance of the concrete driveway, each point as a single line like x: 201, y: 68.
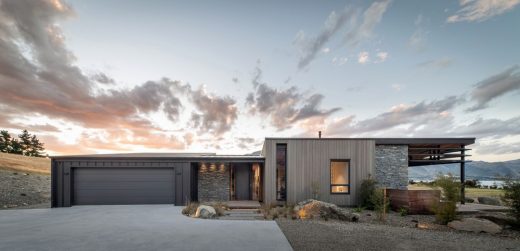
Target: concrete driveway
x: 136, y: 227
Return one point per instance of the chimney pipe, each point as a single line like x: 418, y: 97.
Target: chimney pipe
x: 319, y: 134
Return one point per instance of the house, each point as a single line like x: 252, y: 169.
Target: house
x: 288, y: 170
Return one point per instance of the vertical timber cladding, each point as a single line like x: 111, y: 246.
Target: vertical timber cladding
x: 308, y: 162
x: 63, y: 175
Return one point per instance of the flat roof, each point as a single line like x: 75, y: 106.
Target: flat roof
x: 172, y: 155
x: 397, y: 141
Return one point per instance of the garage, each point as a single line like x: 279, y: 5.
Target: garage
x: 121, y: 179
x: 110, y: 186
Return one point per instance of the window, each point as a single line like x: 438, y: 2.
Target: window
x: 340, y: 176
x: 281, y: 167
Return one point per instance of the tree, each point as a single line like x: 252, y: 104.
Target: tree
x: 36, y: 147
x: 16, y: 147
x: 5, y: 141
x: 25, y: 142
x: 512, y: 198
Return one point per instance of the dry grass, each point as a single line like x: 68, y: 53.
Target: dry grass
x: 470, y: 192
x: 26, y: 164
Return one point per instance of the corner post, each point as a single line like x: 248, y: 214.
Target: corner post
x: 462, y: 175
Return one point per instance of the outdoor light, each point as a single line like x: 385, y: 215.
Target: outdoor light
x: 222, y: 167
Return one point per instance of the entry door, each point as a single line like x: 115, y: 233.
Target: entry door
x: 242, y: 177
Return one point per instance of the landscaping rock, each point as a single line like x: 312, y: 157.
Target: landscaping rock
x: 315, y: 208
x: 205, y: 212
x: 475, y: 225
x: 488, y: 201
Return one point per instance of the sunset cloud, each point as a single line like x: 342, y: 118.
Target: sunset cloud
x: 481, y: 10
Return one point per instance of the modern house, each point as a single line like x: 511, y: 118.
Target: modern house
x: 288, y: 170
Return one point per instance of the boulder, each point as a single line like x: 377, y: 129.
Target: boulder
x: 315, y: 208
x: 205, y: 212
x: 475, y: 225
x: 488, y: 201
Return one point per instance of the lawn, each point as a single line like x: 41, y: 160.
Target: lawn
x: 470, y: 192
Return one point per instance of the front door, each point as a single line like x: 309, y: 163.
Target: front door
x: 242, y: 177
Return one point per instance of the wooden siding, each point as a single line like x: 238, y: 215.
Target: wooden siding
x: 308, y: 161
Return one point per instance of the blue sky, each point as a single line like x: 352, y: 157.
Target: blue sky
x: 239, y: 71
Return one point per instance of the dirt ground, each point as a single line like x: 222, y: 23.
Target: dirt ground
x: 366, y: 235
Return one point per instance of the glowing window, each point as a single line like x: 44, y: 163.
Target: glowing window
x: 340, y: 176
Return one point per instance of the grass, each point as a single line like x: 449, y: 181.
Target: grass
x: 470, y: 192
x: 20, y: 163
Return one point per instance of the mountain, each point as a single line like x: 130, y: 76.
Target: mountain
x: 479, y: 170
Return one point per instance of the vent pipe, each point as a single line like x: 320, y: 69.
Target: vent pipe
x: 319, y: 134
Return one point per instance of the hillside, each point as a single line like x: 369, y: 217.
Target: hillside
x: 14, y: 162
x: 24, y: 181
x: 480, y: 170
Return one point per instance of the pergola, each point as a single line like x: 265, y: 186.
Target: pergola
x: 435, y: 151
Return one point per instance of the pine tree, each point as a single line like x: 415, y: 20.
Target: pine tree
x: 36, y: 147
x: 5, y: 141
x: 15, y: 147
x: 25, y: 142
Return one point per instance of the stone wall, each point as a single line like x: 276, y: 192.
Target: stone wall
x: 391, y: 166
x: 213, y: 183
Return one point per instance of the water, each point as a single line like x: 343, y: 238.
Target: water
x: 498, y: 183
x: 483, y: 183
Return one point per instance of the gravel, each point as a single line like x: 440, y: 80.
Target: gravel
x: 24, y: 190
x: 339, y: 235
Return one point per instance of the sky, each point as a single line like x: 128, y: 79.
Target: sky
x: 220, y: 76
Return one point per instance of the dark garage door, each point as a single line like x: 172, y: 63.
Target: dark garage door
x: 112, y: 186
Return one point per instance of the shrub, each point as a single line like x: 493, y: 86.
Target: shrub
x: 358, y: 209
x: 403, y: 211
x: 511, y: 198
x: 381, y: 205
x: 190, y: 209
x: 471, y: 183
x: 446, y: 209
x: 368, y: 187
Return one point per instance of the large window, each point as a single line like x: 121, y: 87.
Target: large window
x: 281, y: 167
x: 340, y: 176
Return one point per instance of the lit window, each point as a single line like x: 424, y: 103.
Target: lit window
x: 340, y: 176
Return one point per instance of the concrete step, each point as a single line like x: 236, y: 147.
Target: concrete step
x: 241, y: 218
x: 242, y: 214
x: 243, y: 211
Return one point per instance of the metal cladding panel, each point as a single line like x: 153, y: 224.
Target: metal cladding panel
x: 108, y: 186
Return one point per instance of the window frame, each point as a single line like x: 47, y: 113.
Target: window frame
x: 276, y: 170
x: 330, y: 179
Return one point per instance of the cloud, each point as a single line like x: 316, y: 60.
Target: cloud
x: 336, y: 21
x: 39, y: 78
x: 497, y: 148
x: 363, y: 57
x: 495, y: 86
x: 311, y: 47
x: 413, y: 116
x: 381, y: 57
x: 218, y: 113
x: 339, y: 61
x: 436, y: 63
x: 481, y: 10
x: 417, y: 40
x: 371, y: 17
x: 397, y: 87
x: 102, y: 78
x: 284, y: 107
